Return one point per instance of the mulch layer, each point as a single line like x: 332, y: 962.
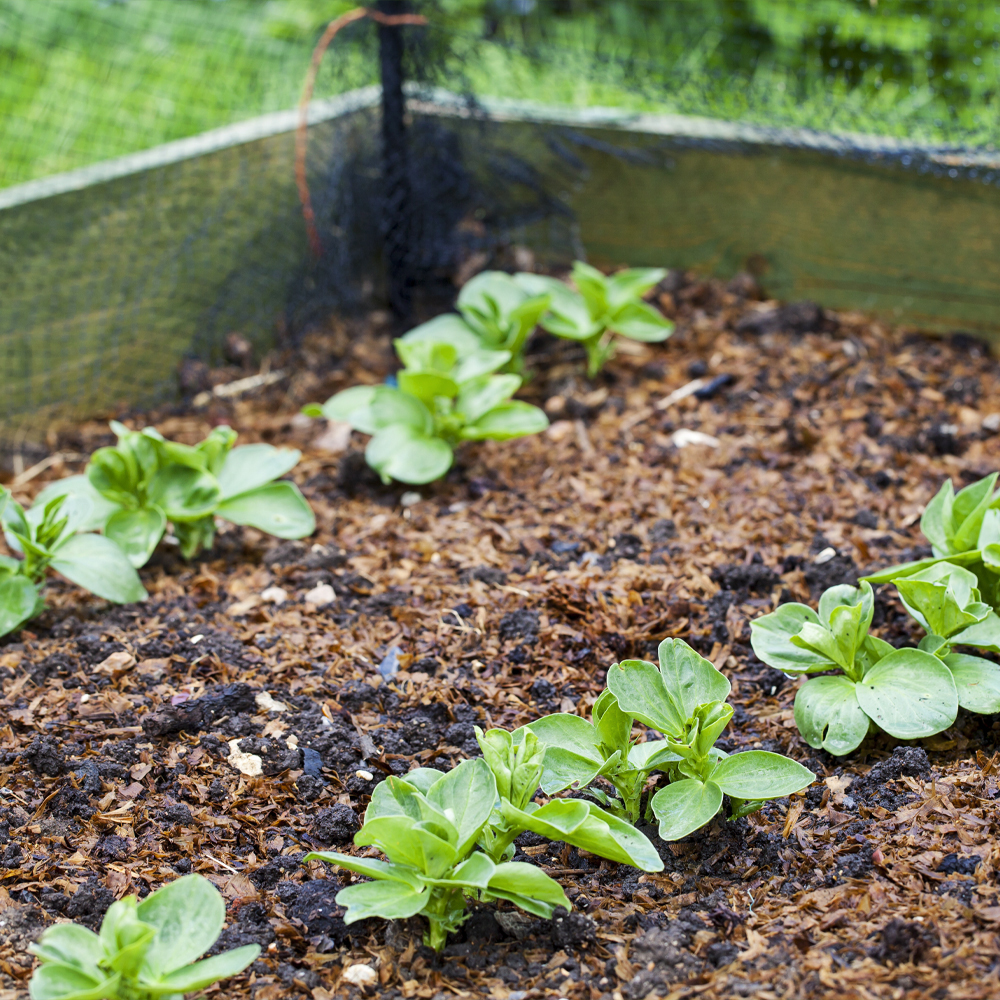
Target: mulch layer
x: 129, y: 735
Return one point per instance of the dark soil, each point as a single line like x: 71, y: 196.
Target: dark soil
x: 246, y: 730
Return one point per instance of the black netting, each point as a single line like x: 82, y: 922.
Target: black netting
x: 842, y: 151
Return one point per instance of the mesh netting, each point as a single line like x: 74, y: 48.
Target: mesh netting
x: 843, y: 151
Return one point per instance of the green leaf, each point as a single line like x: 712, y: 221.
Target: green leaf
x: 407, y: 843
x: 252, y: 465
x: 400, y: 452
x: 188, y: 915
x: 481, y: 363
x: 210, y: 970
x: 70, y: 944
x: 640, y: 321
x: 894, y: 573
x: 829, y: 716
x: 593, y: 286
x: 641, y: 692
x: 184, y: 493
x: 770, y: 637
x: 100, y: 507
x: 447, y: 329
x: 512, y: 419
x: 528, y: 887
x: 651, y: 755
x: 115, y: 474
x: 690, y: 679
x: 346, y: 403
x: 614, y: 727
x: 909, y: 694
x: 389, y: 900
x: 968, y: 509
x: 632, y: 283
x: 371, y: 867
x: 844, y: 595
x: 475, y: 871
x: 586, y: 826
x: 421, y: 778
x: 572, y: 753
x: 685, y: 806
x: 427, y: 355
x: 984, y: 634
x: 935, y: 522
x: 279, y: 508
x: 19, y: 599
x: 760, y: 774
x: 977, y: 682
x: 466, y: 795
x: 480, y: 395
x: 98, y: 565
x: 55, y: 981
x: 427, y: 386
x: 136, y: 532
x: 943, y: 598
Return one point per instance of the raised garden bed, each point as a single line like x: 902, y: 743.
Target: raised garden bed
x: 131, y: 735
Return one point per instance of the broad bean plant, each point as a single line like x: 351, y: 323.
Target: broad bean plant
x: 684, y: 698
x: 601, y: 307
x: 48, y: 536
x: 447, y: 392
x: 139, y: 485
x: 146, y: 949
x: 964, y: 530
x: 427, y: 825
x: 867, y: 684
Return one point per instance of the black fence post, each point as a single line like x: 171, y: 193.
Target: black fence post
x: 396, y: 194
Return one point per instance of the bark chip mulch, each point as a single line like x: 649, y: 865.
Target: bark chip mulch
x: 243, y: 715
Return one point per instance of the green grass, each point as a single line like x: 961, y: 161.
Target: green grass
x: 85, y: 80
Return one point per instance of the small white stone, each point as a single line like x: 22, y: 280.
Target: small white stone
x: 365, y: 775
x: 247, y: 763
x: 409, y: 498
x: 195, y: 639
x: 267, y: 704
x: 360, y: 975
x: 274, y: 595
x: 321, y: 596
x: 685, y: 437
x: 334, y: 439
x: 825, y: 556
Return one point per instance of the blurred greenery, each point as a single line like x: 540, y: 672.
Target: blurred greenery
x: 84, y: 80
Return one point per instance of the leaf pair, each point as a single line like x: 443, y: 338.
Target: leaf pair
x: 427, y: 825
x: 145, y: 950
x: 909, y: 693
x: 517, y: 761
x: 136, y: 487
x: 47, y: 537
x: 601, y: 306
x: 447, y: 393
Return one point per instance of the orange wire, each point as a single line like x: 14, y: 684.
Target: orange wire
x: 302, y: 131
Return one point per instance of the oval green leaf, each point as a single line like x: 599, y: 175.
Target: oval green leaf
x: 136, y: 532
x: 977, y: 682
x: 98, y: 565
x: 685, y: 806
x: 403, y: 453
x: 909, y: 694
x: 829, y: 716
x: 277, y: 508
x: 760, y: 774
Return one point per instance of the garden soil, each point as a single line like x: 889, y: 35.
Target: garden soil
x: 241, y: 717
